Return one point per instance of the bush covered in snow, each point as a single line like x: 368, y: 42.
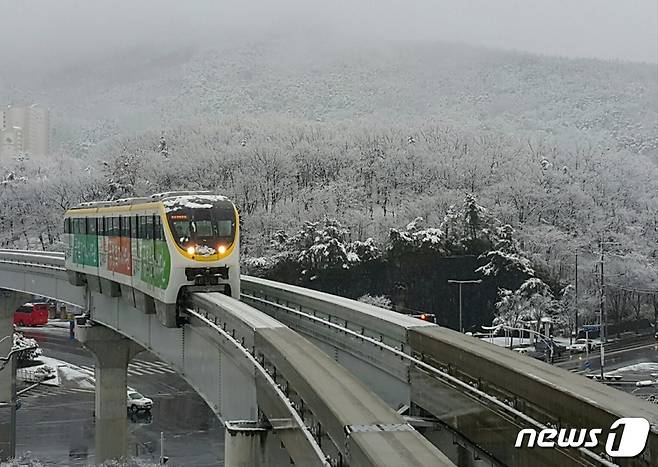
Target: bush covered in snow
x: 380, y: 301
x: 22, y: 342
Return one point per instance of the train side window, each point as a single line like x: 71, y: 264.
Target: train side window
x: 149, y: 227
x: 101, y: 226
x: 91, y: 225
x: 142, y: 227
x: 156, y: 227
x: 133, y: 227
x: 122, y: 226
x: 67, y: 225
x: 116, y: 227
x: 83, y: 226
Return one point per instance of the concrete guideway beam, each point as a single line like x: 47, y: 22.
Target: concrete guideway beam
x: 498, y: 392
x: 112, y: 353
x: 9, y: 302
x: 350, y: 423
x: 219, y: 351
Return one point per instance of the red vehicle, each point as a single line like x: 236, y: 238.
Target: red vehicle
x: 31, y: 314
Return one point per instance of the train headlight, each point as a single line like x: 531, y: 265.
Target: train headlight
x: 190, y: 250
x: 221, y: 249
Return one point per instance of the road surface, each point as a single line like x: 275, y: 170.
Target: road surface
x: 56, y: 425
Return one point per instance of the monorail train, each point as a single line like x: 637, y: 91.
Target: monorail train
x: 150, y: 250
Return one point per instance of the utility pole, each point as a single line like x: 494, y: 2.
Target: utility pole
x: 601, y: 306
x: 602, y: 316
x: 576, y: 296
x: 451, y: 281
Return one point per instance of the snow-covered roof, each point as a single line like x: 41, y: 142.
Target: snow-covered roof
x: 165, y: 196
x: 196, y: 201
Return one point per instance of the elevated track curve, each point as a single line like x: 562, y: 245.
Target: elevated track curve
x: 247, y: 365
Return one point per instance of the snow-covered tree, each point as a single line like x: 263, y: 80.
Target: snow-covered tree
x: 363, y: 251
x: 380, y: 301
x: 510, y: 310
x: 506, y: 255
x: 532, y: 301
x: 27, y: 348
x: 566, y: 310
x: 538, y: 301
x: 416, y: 237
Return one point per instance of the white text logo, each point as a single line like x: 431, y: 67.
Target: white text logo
x: 628, y: 442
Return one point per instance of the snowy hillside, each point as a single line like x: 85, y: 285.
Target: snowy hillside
x: 510, y: 92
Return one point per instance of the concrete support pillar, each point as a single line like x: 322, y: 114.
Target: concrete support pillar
x: 112, y: 353
x: 250, y: 444
x: 9, y: 302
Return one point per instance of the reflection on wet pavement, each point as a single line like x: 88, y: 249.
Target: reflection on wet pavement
x: 56, y: 425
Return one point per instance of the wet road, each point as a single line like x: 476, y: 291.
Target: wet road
x: 643, y: 356
x: 56, y: 424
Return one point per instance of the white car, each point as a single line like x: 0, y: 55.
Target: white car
x: 136, y: 402
x: 582, y: 345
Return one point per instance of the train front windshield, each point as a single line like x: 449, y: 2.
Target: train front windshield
x: 202, y: 226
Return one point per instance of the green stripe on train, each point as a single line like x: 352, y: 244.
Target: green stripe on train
x: 155, y: 263
x: 85, y: 250
x: 153, y: 268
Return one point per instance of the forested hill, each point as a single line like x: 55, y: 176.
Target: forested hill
x: 509, y: 92
x: 558, y: 153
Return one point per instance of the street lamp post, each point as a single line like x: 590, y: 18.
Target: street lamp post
x: 602, y: 319
x: 453, y: 281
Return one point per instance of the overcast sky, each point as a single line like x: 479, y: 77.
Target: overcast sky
x: 47, y: 32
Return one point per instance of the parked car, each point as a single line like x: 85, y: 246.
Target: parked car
x: 582, y: 345
x: 136, y: 402
x: 31, y: 314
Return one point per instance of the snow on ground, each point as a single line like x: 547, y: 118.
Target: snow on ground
x: 645, y: 367
x: 74, y: 376
x: 59, y: 323
x: 504, y: 341
x: 66, y: 374
x: 29, y: 460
